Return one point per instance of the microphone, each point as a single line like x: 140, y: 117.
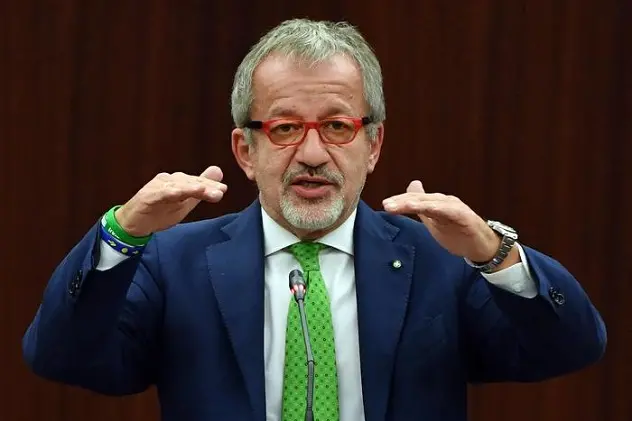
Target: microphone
x: 298, y: 289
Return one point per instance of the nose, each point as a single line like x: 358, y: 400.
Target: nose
x: 312, y: 152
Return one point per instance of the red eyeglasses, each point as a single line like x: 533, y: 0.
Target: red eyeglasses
x: 290, y: 132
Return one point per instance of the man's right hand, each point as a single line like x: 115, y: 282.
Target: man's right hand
x: 167, y: 199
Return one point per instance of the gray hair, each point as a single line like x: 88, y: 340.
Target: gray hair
x: 314, y: 41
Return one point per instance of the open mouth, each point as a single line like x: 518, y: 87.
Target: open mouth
x: 311, y: 182
x: 311, y: 187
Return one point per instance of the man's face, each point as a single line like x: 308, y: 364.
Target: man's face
x: 312, y: 187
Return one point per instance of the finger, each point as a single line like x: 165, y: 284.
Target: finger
x: 210, y: 183
x: 177, y: 191
x: 435, y: 209
x: 175, y: 195
x: 405, y: 197
x: 439, y: 211
x: 213, y: 173
x: 216, y: 185
x: 415, y: 186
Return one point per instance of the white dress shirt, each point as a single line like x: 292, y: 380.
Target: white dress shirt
x: 336, y: 262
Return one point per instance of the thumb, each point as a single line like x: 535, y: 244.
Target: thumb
x: 415, y: 186
x: 213, y: 173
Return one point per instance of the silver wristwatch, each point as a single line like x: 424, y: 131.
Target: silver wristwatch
x: 509, y: 236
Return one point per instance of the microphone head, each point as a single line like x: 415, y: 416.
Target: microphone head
x: 296, y: 278
x: 297, y: 284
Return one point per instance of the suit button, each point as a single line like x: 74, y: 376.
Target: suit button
x: 557, y: 297
x: 75, y: 284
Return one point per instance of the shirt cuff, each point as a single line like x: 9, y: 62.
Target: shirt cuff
x: 109, y: 257
x: 516, y: 279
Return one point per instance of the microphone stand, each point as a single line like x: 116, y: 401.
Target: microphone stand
x: 297, y: 286
x: 309, y: 414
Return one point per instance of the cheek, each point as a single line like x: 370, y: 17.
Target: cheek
x: 353, y: 164
x: 271, y: 165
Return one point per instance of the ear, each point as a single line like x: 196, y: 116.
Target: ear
x: 243, y: 153
x: 376, y: 147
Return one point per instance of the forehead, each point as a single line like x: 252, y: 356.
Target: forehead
x: 286, y: 86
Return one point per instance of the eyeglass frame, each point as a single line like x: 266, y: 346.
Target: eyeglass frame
x: 359, y: 123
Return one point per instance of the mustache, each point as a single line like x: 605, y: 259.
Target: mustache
x: 333, y: 177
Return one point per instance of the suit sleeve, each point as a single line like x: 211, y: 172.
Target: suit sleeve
x: 98, y: 329
x: 509, y: 337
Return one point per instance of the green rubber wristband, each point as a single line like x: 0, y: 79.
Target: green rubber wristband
x: 114, y: 228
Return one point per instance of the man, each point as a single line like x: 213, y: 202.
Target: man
x: 401, y: 314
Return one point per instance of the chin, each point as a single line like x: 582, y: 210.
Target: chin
x: 312, y: 214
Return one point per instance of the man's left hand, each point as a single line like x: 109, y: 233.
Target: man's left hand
x: 451, y: 222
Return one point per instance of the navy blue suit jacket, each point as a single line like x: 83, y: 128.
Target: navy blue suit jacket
x: 187, y: 316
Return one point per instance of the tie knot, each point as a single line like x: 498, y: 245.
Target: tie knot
x: 307, y: 254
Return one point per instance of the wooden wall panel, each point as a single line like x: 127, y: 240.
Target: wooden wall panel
x: 523, y: 109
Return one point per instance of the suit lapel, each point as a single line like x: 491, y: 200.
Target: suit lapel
x: 236, y: 269
x: 384, y: 272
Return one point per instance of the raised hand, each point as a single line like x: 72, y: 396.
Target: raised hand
x: 450, y: 221
x: 167, y: 199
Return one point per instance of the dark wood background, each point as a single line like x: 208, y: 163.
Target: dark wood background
x: 521, y: 108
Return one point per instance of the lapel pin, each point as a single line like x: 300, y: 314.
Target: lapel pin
x: 397, y: 264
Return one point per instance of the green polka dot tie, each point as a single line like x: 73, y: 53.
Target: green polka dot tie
x: 321, y: 334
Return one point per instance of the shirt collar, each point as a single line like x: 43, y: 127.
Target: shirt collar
x: 277, y: 238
